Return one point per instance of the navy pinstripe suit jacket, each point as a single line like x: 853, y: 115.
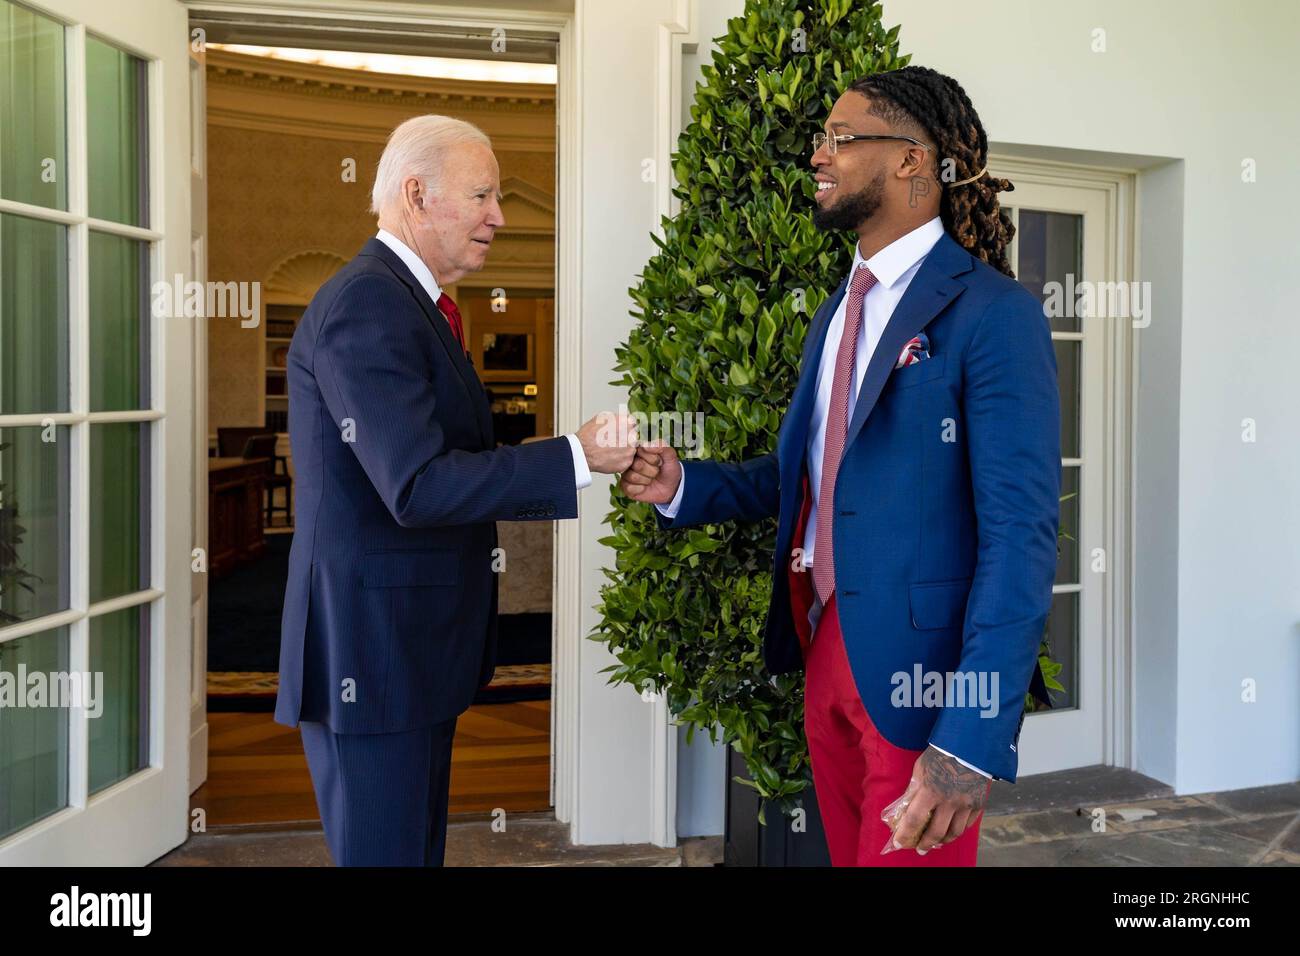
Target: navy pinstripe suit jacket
x: 389, y: 617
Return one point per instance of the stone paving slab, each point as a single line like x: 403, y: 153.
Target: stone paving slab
x: 222, y: 847
x: 1068, y: 789
x: 1259, y: 827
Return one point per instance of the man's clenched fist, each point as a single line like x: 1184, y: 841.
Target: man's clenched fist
x: 654, y: 474
x: 609, y: 442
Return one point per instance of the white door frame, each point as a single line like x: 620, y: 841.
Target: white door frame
x: 1107, y: 197
x: 677, y: 35
x: 199, y: 521
x: 567, y: 619
x: 143, y: 816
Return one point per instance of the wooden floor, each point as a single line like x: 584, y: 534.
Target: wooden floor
x: 257, y: 772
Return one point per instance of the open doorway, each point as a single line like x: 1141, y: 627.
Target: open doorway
x: 295, y: 122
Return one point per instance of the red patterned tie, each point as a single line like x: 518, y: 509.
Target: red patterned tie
x: 837, y: 425
x: 452, y: 313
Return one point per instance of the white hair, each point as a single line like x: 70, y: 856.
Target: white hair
x: 416, y: 148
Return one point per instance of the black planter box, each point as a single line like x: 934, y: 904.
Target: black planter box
x: 749, y: 843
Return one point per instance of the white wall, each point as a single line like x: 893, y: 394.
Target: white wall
x: 1155, y: 477
x: 701, y: 765
x: 701, y: 785
x: 617, y: 48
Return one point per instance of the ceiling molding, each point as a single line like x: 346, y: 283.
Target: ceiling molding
x: 251, y: 93
x: 286, y: 75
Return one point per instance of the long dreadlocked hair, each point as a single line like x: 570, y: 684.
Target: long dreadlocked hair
x: 918, y: 96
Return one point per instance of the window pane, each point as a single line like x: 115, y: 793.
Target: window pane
x: 1067, y: 563
x: 1051, y: 250
x: 119, y: 327
x: 118, y: 134
x: 33, y: 316
x: 119, y: 649
x: 34, y: 514
x: 119, y: 495
x: 33, y: 739
x: 1067, y: 380
x: 1063, y: 648
x: 33, y: 143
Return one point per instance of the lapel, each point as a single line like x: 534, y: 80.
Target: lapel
x: 442, y: 329
x: 794, y: 439
x: 930, y: 291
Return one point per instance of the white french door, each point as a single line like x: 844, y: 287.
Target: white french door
x: 199, y: 457
x: 96, y: 490
x: 1069, y: 233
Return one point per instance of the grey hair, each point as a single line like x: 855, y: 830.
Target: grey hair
x: 416, y: 148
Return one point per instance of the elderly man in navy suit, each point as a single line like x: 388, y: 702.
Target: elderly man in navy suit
x: 389, y: 623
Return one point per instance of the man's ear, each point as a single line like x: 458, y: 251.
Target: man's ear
x: 414, y: 192
x: 914, y: 161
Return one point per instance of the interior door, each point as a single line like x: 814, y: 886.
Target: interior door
x: 1061, y: 237
x: 95, y: 429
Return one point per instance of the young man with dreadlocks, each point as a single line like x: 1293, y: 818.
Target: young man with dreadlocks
x: 915, y: 481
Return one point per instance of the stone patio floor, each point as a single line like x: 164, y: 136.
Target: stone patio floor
x: 1095, y: 816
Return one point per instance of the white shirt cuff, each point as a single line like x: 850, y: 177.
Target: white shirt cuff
x: 962, y: 762
x: 581, y: 473
x: 669, y: 510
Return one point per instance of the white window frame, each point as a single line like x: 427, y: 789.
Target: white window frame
x: 1114, y: 192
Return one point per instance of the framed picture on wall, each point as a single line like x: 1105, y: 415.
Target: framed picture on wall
x: 505, y: 354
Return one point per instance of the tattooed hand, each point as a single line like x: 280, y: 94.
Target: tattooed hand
x: 946, y: 798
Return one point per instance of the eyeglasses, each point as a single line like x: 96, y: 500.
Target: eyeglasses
x: 821, y: 139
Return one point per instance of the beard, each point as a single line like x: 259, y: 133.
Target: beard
x: 851, y: 211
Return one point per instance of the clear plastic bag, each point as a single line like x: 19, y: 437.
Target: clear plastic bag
x: 892, y: 815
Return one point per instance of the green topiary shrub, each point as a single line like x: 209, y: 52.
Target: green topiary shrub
x: 724, y: 307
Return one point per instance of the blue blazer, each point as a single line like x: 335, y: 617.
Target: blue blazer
x: 946, y: 508
x: 390, y: 607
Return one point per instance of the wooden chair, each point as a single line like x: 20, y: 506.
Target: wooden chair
x: 231, y: 440
x: 263, y: 446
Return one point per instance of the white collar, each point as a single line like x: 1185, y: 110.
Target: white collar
x: 412, y: 262
x: 892, y: 262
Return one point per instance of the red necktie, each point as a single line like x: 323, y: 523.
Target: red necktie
x: 837, y: 426
x: 448, y: 308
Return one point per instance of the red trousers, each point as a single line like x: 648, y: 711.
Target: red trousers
x: 856, y: 771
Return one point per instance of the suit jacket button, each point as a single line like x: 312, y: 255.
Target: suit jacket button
x: 550, y: 510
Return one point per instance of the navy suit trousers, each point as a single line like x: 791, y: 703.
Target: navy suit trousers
x: 382, y: 797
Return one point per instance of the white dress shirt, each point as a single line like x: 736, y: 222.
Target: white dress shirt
x: 894, y: 268
x: 423, y: 275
